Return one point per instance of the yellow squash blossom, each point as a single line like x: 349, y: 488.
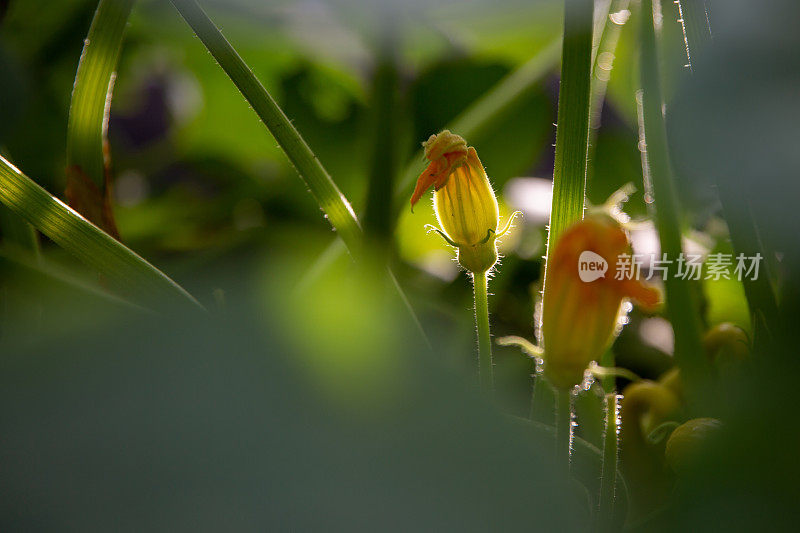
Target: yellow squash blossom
x: 464, y: 201
x: 581, y: 308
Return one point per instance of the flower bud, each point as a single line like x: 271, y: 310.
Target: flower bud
x: 685, y: 445
x: 646, y: 405
x: 464, y: 201
x: 726, y: 344
x: 582, y: 301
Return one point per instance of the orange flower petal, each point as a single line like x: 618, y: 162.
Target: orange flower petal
x: 431, y: 176
x: 647, y: 296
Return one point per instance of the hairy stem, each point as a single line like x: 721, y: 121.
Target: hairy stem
x: 485, y: 369
x: 572, y: 133
x: 608, y: 478
x: 682, y: 307
x: 563, y: 429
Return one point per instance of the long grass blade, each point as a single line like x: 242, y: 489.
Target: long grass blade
x: 377, y: 217
x: 88, y: 158
x: 572, y: 134
x: 696, y: 26
x: 128, y: 274
x: 332, y: 202
x: 682, y: 307
x: 745, y: 237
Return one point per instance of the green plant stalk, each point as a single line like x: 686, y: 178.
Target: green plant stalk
x: 695, y: 25
x: 91, y: 94
x: 586, y: 461
x: 124, y: 270
x: 480, y: 284
x: 377, y: 217
x: 383, y: 169
x: 572, y: 133
x: 330, y: 199
x: 569, y: 173
x: 572, y: 130
x: 682, y: 308
x: 735, y: 206
x: 480, y: 114
x: 608, y: 478
x: 563, y: 429
x: 608, y: 381
x: 543, y: 400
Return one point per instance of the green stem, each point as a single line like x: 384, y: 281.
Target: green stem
x: 377, y: 217
x: 736, y: 207
x: 609, y: 381
x: 542, y: 400
x: 563, y: 428
x: 608, y: 479
x: 682, y: 308
x: 572, y: 133
x: 486, y: 372
x: 330, y: 199
x: 695, y: 25
x: 572, y: 130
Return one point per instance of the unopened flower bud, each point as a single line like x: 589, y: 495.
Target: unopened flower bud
x: 464, y: 202
x: 685, y: 445
x: 726, y: 344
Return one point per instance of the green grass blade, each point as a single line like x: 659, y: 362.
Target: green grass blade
x: 736, y: 208
x: 478, y: 116
x: 338, y: 210
x: 695, y: 25
x: 123, y: 270
x: 572, y: 134
x: 377, y: 217
x: 682, y: 307
x: 94, y: 83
